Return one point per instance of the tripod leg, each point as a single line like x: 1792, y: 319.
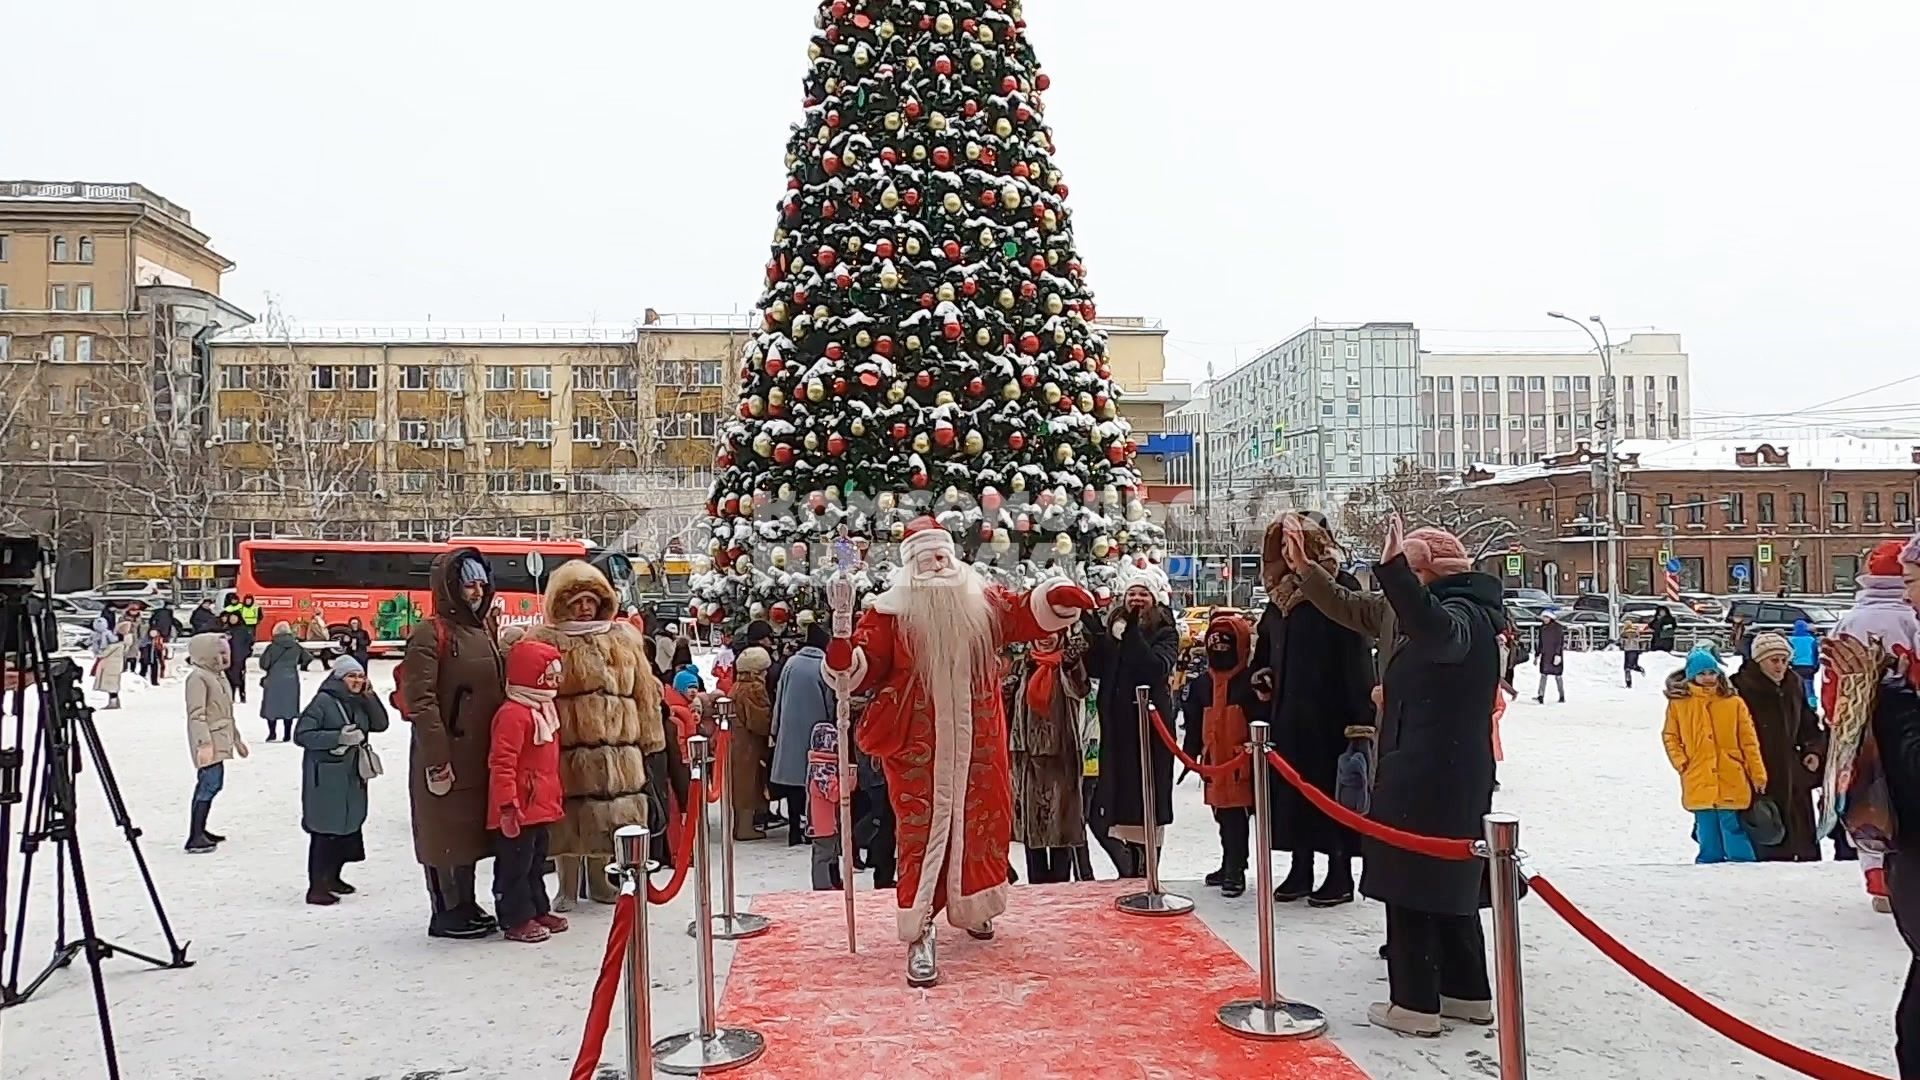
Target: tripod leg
x: 122, y: 817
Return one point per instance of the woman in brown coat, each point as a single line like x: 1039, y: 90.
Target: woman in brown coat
x: 613, y: 760
x: 452, y: 679
x: 1044, y: 717
x: 1791, y: 744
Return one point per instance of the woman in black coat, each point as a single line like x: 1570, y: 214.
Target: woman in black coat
x: 239, y: 651
x: 1552, y: 657
x: 1318, y: 676
x: 1136, y: 645
x: 1435, y: 778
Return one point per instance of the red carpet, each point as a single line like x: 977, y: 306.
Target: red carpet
x: 1072, y: 988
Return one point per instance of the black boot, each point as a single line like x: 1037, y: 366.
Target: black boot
x: 1298, y: 883
x: 455, y: 915
x: 198, y: 842
x: 1338, y: 888
x: 1233, y: 884
x: 1217, y: 878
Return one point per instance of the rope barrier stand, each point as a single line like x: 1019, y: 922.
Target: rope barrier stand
x: 600, y: 1013
x: 730, y: 924
x: 707, y: 1048
x: 1775, y: 1049
x: 682, y: 847
x: 1155, y: 901
x: 1434, y: 847
x: 1207, y: 772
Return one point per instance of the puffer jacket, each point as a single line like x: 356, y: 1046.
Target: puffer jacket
x: 209, y: 698
x: 1711, y: 740
x: 1225, y: 722
x: 523, y: 771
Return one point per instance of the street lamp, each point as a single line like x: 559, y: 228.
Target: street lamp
x: 1607, y: 418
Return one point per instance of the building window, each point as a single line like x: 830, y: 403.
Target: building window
x: 1902, y: 501
x: 1536, y: 382
x: 59, y: 298
x: 1797, y: 508
x: 3, y: 296
x: 1696, y: 509
x: 1582, y: 383
x: 1740, y: 574
x: 1429, y: 460
x: 451, y: 379
x: 6, y: 348
x: 1845, y: 569
x: 501, y: 428
x: 411, y: 483
x: 1561, y: 383
x: 1353, y: 410
x: 538, y: 378
x: 1673, y: 384
x: 1491, y: 422
x: 56, y: 400
x: 1426, y: 383
x: 708, y: 373
x: 539, y: 429
x: 1664, y: 502
x: 5, y: 244
x: 57, y: 348
x: 1470, y: 421
x: 83, y: 298
x: 1516, y: 423
x: 414, y: 377
x: 362, y: 377
x: 1326, y: 408
x: 1446, y: 460
x: 1582, y: 422
x: 1870, y: 508
x: 1446, y: 421
x: 1446, y: 384
x: 1653, y: 426
x: 59, y: 249
x: 1837, y: 508
x: 322, y: 377
x: 501, y: 481
x: 1560, y: 421
x: 1353, y: 350
x: 83, y: 348
x: 1516, y: 383
x: 1633, y: 509
x: 1469, y: 384
x: 1538, y: 421
x: 450, y: 429
x: 499, y: 378
x: 1673, y: 424
x: 415, y: 430
x: 1736, y: 506
x: 360, y: 429
x: 86, y: 249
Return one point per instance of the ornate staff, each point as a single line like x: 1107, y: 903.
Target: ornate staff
x: 840, y: 597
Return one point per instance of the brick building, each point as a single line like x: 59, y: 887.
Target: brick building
x: 1740, y: 516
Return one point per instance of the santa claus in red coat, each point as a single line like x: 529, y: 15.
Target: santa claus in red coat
x: 929, y: 651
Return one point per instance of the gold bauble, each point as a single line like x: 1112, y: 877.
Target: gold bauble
x: 936, y: 122
x: 778, y: 311
x: 1064, y: 455
x: 1006, y: 299
x: 1059, y: 335
x: 921, y: 443
x: 1101, y: 546
x: 913, y: 245
x: 811, y: 442
x: 885, y: 29
x: 862, y: 56
x: 1001, y: 541
x: 897, y: 393
x: 898, y: 530
x: 1064, y: 545
x: 889, y: 278
x: 1010, y: 197
x: 1052, y: 393
x: 952, y: 202
x: 1054, y: 304
x: 975, y: 444
x: 1011, y: 391
x: 1019, y: 482
x: 813, y: 50
x: 979, y: 62
x: 822, y: 313
x: 944, y: 23
x: 1053, y: 256
x: 863, y: 339
x: 776, y: 396
x: 944, y: 397
x: 858, y: 428
x: 1084, y: 402
x: 973, y: 151
x: 945, y: 292
x: 755, y: 406
x: 913, y: 342
x: 1050, y: 221
x: 1003, y: 127
x: 763, y: 444
x: 1053, y: 178
x: 823, y: 134
x: 951, y: 495
x: 913, y: 63
x: 890, y: 198
x: 893, y: 121
x: 792, y: 160
x: 853, y: 245
x: 816, y: 390
x: 986, y: 37
x: 778, y: 556
x: 983, y: 337
x: 919, y: 152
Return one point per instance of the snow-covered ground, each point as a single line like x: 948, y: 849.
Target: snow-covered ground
x: 280, y: 989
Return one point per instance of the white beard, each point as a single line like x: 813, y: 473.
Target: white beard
x: 948, y: 624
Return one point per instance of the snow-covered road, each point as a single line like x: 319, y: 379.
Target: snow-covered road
x: 280, y: 989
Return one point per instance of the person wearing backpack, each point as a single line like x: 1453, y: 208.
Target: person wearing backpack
x: 452, y: 680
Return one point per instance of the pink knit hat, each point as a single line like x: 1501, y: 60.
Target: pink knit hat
x: 1436, y: 551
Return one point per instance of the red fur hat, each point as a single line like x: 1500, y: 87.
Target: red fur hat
x: 1884, y: 560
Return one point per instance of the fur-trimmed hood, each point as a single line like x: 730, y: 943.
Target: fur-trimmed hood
x: 569, y: 580
x: 1679, y: 687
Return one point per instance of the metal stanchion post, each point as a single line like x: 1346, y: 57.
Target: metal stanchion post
x: 1154, y: 901
x: 710, y: 1048
x: 730, y: 925
x: 1268, y: 1016
x: 630, y: 843
x: 1509, y: 1005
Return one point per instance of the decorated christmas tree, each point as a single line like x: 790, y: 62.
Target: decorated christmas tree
x: 928, y: 341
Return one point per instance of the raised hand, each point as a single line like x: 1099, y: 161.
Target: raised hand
x: 1390, y: 548
x: 1065, y: 596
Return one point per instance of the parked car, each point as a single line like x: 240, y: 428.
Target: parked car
x: 124, y: 589
x: 1776, y: 614
x: 1532, y: 596
x: 1703, y: 604
x: 77, y: 610
x: 1524, y: 612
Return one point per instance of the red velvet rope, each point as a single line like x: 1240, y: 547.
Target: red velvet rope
x: 1436, y: 847
x: 1211, y: 772
x: 682, y: 847
x: 1793, y: 1057
x: 600, y: 1013
x: 718, y: 772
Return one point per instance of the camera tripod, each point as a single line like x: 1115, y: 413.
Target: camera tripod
x: 63, y: 729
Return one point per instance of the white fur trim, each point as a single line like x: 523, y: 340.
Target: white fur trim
x: 848, y: 681
x: 1151, y: 578
x: 973, y: 912
x: 1051, y: 619
x: 946, y: 832
x: 926, y: 540
x: 893, y: 601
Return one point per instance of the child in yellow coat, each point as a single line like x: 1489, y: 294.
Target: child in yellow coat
x: 1710, y: 739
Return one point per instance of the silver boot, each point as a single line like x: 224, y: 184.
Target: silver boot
x: 923, y: 966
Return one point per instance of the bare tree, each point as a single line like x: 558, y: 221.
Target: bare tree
x: 1423, y: 497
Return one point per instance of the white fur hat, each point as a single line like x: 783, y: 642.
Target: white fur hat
x: 925, y: 534
x: 1149, y: 577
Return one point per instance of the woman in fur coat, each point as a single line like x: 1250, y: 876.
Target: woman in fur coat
x: 613, y: 741
x: 1049, y: 704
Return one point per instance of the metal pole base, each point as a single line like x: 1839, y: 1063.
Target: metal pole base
x: 1253, y: 1019
x: 742, y: 924
x: 1154, y: 904
x: 687, y: 1054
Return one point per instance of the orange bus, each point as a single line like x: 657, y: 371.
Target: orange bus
x: 317, y: 585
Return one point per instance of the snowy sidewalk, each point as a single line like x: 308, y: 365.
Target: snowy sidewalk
x: 283, y: 990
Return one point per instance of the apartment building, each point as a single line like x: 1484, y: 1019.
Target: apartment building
x: 1512, y: 404
x: 1328, y: 410
x: 1137, y: 357
x: 423, y: 430
x: 1740, y: 517
x: 109, y: 296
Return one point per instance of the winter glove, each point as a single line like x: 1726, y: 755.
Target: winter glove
x: 1263, y: 683
x: 439, y: 779
x: 240, y: 747
x: 1118, y: 626
x: 203, y: 756
x: 1067, y: 599
x: 510, y: 821
x: 352, y: 736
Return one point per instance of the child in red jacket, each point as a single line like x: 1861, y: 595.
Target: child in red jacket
x: 524, y: 794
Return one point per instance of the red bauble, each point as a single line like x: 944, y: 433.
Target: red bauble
x: 926, y: 300
x: 1023, y: 523
x: 1020, y: 169
x: 951, y: 249
x: 870, y: 380
x: 833, y: 118
x: 783, y: 454
x: 1105, y: 372
x: 1028, y: 290
x: 1037, y: 264
x: 834, y: 351
x: 800, y: 297
x: 862, y: 20
x: 745, y: 412
x: 899, y: 431
x: 1117, y: 453
x: 1079, y: 353
x: 1088, y: 495
x: 969, y: 287
x: 912, y: 109
x: 883, y: 248
x: 943, y: 65
x: 826, y: 257
x: 723, y: 460
x: 839, y: 9
x: 792, y: 210
x: 828, y: 210
x: 926, y: 22
x: 1060, y: 189
x: 971, y: 108
x: 990, y: 500
x: 883, y: 346
x: 732, y: 506
x: 1022, y: 114
x: 722, y: 560
x: 988, y: 157
x: 775, y: 365
x: 817, y: 502
x: 920, y: 479
x: 1029, y: 378
x: 1030, y: 343
x: 967, y: 26
x: 831, y: 163
x: 952, y: 331
x: 976, y: 386
x: 924, y: 380
x: 912, y: 197
x: 1065, y: 403
x: 890, y: 155
x: 986, y: 531
x: 1016, y: 442
x: 833, y: 35
x: 942, y: 157
x: 1009, y: 84
x: 843, y: 278
x: 840, y: 387
x: 943, y: 433
x: 989, y: 197
x: 836, y: 444
x: 1042, y: 81
x: 1099, y: 401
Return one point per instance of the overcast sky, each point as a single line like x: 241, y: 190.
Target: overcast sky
x: 1744, y: 173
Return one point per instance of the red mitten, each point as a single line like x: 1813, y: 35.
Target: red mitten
x: 1065, y: 596
x: 840, y: 653
x: 510, y: 822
